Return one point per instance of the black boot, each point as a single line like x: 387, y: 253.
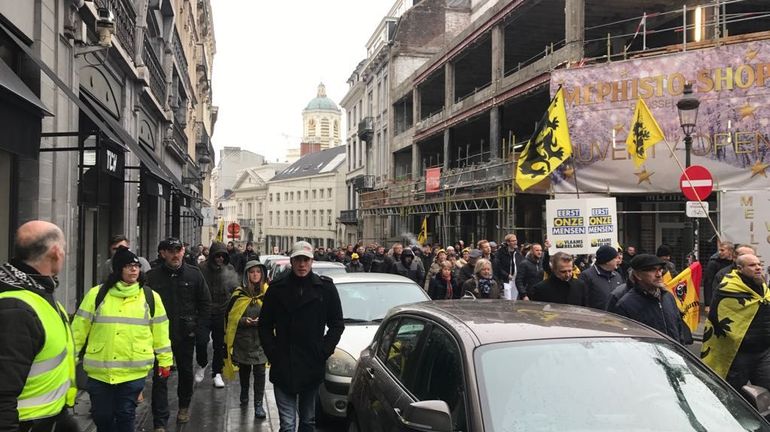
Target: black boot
x: 259, y: 411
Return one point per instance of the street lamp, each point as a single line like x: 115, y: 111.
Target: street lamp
x: 688, y: 117
x: 687, y: 107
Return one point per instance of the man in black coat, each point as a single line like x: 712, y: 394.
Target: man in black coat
x: 381, y: 262
x: 648, y: 301
x: 560, y: 287
x: 724, y: 257
x: 530, y: 271
x: 602, y: 277
x: 295, y: 313
x: 187, y: 301
x: 236, y: 257
x: 507, y: 261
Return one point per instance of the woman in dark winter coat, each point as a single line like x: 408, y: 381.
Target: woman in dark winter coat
x: 244, y: 350
x: 444, y: 285
x: 482, y: 284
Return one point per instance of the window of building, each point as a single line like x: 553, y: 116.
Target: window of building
x: 329, y: 192
x: 325, y: 128
x: 278, y: 197
x: 291, y: 195
x: 285, y: 196
x: 329, y: 217
x: 315, y: 219
x: 271, y: 197
x: 306, y: 221
x: 260, y: 209
x: 305, y: 195
x: 286, y: 218
x: 240, y: 209
x: 321, y: 193
x: 270, y: 218
x: 278, y: 218
x: 314, y: 194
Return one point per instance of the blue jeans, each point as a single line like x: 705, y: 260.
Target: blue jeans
x: 113, y: 406
x: 289, y: 404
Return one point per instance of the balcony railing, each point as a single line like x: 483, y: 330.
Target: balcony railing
x: 349, y: 217
x: 125, y: 21
x: 364, y: 183
x: 180, y: 136
x: 157, y: 77
x: 366, y: 128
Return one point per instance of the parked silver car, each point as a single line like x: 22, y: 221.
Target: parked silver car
x: 491, y: 365
x: 366, y: 299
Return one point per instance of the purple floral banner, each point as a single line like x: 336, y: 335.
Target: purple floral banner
x: 732, y: 137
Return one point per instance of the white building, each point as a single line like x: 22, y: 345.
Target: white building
x: 232, y: 160
x: 304, y: 201
x: 321, y: 122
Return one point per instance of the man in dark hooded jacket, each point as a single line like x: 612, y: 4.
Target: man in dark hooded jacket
x: 221, y: 279
x: 381, y: 262
x: 408, y: 267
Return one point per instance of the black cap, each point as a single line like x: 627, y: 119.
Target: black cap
x: 475, y: 253
x: 663, y: 250
x: 171, y: 243
x: 646, y: 261
x: 122, y: 258
x: 605, y: 253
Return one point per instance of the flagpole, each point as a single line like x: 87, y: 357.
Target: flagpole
x: 574, y: 175
x: 689, y: 182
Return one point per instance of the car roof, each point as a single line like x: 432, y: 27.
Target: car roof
x: 493, y: 321
x: 371, y: 278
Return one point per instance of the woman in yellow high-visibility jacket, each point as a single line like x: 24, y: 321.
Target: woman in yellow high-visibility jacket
x: 124, y: 335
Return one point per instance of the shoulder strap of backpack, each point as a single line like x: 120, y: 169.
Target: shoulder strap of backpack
x: 149, y: 297
x: 100, y: 296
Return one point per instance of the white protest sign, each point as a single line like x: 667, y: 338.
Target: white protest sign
x: 580, y: 226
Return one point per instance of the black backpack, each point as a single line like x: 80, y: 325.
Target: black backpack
x: 148, y: 297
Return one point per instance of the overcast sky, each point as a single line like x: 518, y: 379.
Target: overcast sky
x: 271, y: 56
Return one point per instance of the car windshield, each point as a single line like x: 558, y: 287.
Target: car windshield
x: 329, y: 270
x: 370, y: 301
x: 607, y: 384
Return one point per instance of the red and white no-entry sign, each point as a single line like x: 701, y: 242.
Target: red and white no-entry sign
x: 699, y: 186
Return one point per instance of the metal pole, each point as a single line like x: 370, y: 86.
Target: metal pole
x: 696, y: 221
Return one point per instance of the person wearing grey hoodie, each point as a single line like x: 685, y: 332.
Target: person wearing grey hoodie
x: 221, y: 279
x: 244, y: 347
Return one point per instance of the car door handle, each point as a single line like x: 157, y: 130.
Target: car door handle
x: 370, y: 372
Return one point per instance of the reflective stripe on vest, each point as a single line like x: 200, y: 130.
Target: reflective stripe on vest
x: 49, y: 384
x: 117, y: 363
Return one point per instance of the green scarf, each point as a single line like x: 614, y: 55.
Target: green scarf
x: 123, y: 290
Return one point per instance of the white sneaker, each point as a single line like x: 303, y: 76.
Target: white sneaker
x: 218, y: 381
x: 200, y: 374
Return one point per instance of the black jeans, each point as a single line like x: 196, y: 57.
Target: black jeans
x: 215, y: 327
x: 244, y: 373
x: 183, y: 356
x: 62, y: 422
x: 750, y: 366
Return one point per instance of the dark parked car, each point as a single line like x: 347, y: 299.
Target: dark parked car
x: 502, y: 366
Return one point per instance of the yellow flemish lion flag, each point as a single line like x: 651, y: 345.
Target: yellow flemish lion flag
x: 644, y: 133
x: 686, y: 290
x: 548, y: 148
x: 221, y: 231
x: 733, y: 309
x: 422, y: 237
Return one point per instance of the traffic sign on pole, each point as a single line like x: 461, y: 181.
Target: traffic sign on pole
x: 697, y: 209
x: 699, y: 185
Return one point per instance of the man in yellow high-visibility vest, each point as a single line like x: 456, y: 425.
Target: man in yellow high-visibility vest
x: 37, y: 361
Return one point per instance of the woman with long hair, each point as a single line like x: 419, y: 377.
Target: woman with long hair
x: 444, y: 285
x: 244, y: 352
x: 124, y: 328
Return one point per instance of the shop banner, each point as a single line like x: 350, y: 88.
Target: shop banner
x: 732, y: 137
x: 580, y: 226
x: 745, y: 219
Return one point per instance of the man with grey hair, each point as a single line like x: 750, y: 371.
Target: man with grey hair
x: 561, y: 287
x: 736, y: 338
x: 37, y: 361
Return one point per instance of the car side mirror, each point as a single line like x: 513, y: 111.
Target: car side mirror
x: 426, y: 416
x: 758, y: 397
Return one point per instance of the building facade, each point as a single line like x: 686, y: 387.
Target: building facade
x: 303, y: 202
x: 470, y: 106
x: 110, y: 135
x: 321, y: 123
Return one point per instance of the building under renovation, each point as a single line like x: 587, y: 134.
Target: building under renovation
x: 462, y: 104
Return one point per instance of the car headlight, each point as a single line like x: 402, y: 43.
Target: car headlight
x: 340, y: 363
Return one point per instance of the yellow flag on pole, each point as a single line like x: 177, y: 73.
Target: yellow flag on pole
x: 644, y: 133
x: 548, y: 147
x: 686, y: 289
x: 422, y: 236
x: 221, y: 231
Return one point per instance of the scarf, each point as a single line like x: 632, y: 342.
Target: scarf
x: 736, y: 304
x: 123, y: 290
x: 240, y: 300
x: 449, y: 291
x: 485, y: 285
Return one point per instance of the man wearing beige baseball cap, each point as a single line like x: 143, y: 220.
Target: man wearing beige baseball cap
x: 296, y: 310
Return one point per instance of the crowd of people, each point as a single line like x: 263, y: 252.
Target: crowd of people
x: 158, y: 318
